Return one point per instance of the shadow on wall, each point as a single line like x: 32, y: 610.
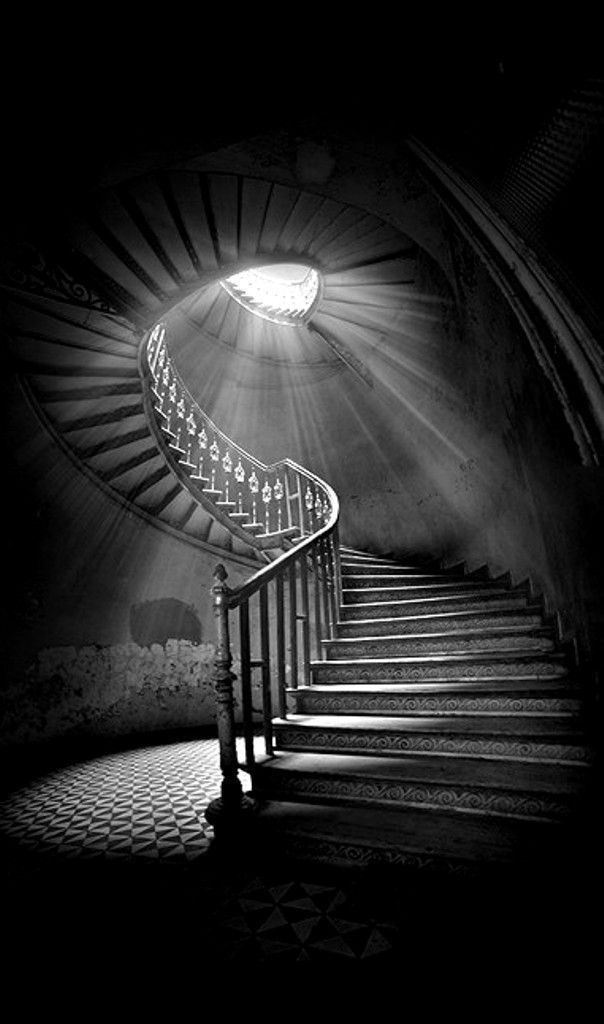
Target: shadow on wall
x: 154, y: 622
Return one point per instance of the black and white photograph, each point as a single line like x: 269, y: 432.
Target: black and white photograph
x: 303, y: 432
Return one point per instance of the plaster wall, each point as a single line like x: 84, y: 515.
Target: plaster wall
x: 109, y: 623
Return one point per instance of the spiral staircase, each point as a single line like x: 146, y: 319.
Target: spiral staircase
x: 77, y: 307
x: 441, y: 722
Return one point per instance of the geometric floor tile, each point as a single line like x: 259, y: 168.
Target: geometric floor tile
x: 146, y: 807
x: 298, y: 921
x: 146, y: 803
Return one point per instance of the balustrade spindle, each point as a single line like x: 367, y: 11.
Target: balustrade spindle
x: 324, y: 588
x: 300, y: 504
x: 293, y: 625
x: 335, y: 538
x: 288, y: 501
x: 267, y: 698
x: 304, y: 616
x: 317, y: 602
x: 333, y: 594
x: 246, y: 683
x: 281, y: 682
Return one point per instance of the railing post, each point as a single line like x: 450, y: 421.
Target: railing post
x: 231, y: 807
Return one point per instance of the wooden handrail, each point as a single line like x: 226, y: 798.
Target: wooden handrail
x: 268, y: 572
x: 312, y: 561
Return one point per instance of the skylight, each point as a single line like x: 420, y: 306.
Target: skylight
x: 285, y: 293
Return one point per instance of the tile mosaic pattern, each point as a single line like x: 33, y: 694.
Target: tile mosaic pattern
x: 298, y: 921
x: 146, y: 803
x: 146, y: 807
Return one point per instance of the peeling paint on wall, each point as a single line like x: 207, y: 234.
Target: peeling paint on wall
x: 71, y: 692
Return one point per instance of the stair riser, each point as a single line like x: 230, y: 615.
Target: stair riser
x: 392, y: 648
x: 504, y: 620
x: 391, y: 609
x: 380, y: 792
x: 305, y: 849
x: 397, y: 744
x: 429, y: 585
x: 459, y: 591
x: 377, y: 571
x: 401, y: 704
x: 345, y: 674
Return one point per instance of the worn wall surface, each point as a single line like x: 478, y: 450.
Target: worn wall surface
x: 109, y: 624
x: 452, y: 446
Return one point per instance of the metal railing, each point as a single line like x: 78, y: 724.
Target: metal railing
x: 263, y: 505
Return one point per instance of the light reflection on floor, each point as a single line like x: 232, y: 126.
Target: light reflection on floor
x: 125, y: 832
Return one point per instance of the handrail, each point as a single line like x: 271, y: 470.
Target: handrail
x: 268, y: 572
x: 218, y: 473
x: 306, y: 585
x: 300, y: 510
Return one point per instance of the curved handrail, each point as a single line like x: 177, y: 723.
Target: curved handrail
x: 303, y: 548
x: 220, y: 474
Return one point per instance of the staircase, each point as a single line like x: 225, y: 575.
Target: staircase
x: 441, y: 728
x: 81, y: 305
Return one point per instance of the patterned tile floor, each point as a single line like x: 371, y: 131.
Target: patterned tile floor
x: 126, y: 832
x: 116, y: 851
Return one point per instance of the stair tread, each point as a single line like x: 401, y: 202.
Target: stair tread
x: 443, y: 616
x: 447, y: 686
x: 464, y: 588
x: 547, y: 725
x: 479, y: 602
x: 418, y: 830
x: 485, y: 633
x: 426, y: 767
x: 448, y: 658
x: 435, y: 583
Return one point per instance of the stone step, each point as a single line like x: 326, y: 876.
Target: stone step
x: 362, y: 566
x: 351, y: 554
x: 524, y: 697
x: 418, y: 838
x: 439, y: 667
x: 372, y: 594
x: 361, y: 570
x: 552, y: 739
x: 508, y: 601
x: 452, y: 623
x: 470, y: 641
x: 461, y: 785
x: 410, y: 583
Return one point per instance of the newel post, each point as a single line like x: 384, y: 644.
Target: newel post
x: 231, y: 807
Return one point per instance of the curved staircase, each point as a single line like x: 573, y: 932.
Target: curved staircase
x: 80, y: 303
x: 442, y: 727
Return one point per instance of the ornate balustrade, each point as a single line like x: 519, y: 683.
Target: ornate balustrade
x: 264, y: 505
x: 302, y: 588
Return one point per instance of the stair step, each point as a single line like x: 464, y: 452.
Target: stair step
x: 452, y: 591
x: 410, y: 837
x: 378, y: 566
x: 443, y: 622
x: 360, y: 571
x: 524, y: 697
x: 432, y: 605
x: 411, y: 584
x: 460, y: 785
x: 439, y: 667
x: 517, y: 738
x: 479, y: 641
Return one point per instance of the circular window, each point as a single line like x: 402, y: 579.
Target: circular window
x: 285, y: 293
